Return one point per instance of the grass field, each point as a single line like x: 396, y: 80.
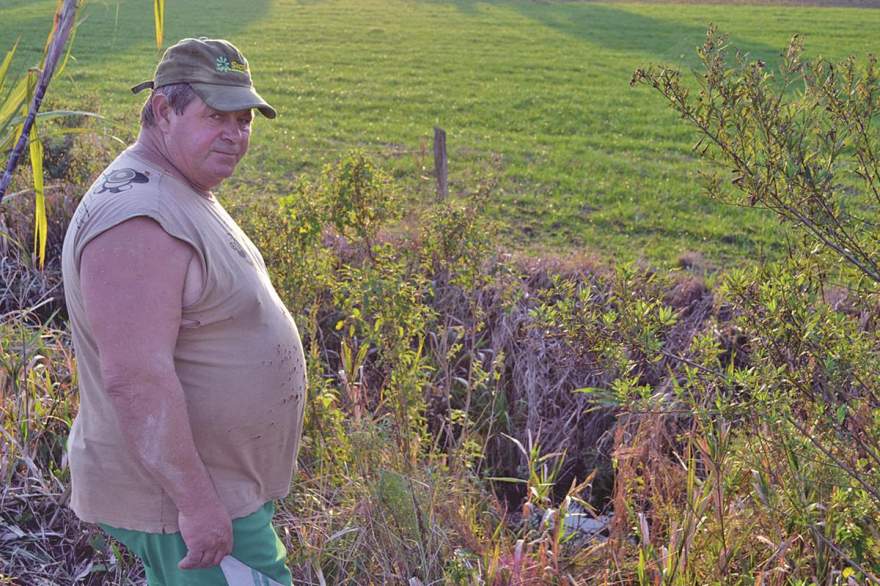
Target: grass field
x: 586, y: 161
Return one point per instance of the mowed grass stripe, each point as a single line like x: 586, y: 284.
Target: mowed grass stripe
x: 586, y: 160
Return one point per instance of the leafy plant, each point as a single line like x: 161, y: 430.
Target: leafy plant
x: 801, y: 384
x: 801, y: 142
x: 20, y: 108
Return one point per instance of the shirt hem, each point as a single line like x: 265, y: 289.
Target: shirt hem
x: 159, y: 527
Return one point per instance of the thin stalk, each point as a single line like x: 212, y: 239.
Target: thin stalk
x: 64, y: 20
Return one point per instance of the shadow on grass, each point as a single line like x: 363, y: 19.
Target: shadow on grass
x: 618, y: 29
x: 466, y: 7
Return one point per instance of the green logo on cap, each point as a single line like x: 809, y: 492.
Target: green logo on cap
x: 224, y: 65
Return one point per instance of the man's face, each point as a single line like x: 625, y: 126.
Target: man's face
x: 205, y: 144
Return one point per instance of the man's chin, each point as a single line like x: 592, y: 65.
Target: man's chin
x: 222, y: 173
x: 213, y: 182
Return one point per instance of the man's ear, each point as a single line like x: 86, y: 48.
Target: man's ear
x: 162, y: 111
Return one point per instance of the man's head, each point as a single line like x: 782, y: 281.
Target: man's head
x: 215, y: 70
x: 199, y: 111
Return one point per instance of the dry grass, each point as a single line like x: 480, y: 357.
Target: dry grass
x: 24, y: 286
x: 372, y: 514
x: 43, y: 541
x: 329, y: 524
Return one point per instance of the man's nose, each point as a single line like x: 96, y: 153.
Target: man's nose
x: 232, y: 131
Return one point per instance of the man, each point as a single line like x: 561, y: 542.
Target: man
x: 191, y: 371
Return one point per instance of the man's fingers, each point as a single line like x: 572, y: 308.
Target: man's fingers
x: 192, y: 560
x: 203, y: 559
x: 199, y: 559
x: 223, y: 551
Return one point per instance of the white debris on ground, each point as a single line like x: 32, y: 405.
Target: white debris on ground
x: 578, y: 520
x: 580, y: 526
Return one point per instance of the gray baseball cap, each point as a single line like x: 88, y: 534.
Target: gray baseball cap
x: 217, y: 72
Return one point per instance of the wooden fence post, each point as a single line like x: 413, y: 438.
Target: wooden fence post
x: 441, y: 170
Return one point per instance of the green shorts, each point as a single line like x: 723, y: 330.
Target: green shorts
x: 255, y: 543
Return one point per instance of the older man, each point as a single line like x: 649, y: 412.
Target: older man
x: 191, y: 371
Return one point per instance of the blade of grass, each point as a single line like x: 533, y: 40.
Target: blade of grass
x: 159, y: 17
x: 13, y: 102
x: 10, y: 136
x: 7, y: 61
x: 41, y: 224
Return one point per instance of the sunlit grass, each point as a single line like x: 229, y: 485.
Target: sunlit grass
x: 586, y: 161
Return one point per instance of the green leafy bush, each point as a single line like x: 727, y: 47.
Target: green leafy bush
x: 782, y: 440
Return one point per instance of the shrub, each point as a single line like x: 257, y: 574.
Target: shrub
x: 781, y: 439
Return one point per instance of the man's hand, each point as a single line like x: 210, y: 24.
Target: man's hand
x: 207, y: 533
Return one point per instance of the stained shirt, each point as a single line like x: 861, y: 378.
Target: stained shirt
x: 238, y: 357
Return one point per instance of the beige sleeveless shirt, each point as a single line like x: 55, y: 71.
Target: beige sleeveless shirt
x: 238, y: 357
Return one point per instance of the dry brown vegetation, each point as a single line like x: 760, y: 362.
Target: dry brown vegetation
x: 498, y: 370
x: 507, y: 344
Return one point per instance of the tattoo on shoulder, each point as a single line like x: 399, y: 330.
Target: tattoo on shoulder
x: 119, y: 180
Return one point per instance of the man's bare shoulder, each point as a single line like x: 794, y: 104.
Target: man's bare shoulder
x: 132, y: 282
x: 138, y: 245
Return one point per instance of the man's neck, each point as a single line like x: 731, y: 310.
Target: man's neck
x: 149, y: 147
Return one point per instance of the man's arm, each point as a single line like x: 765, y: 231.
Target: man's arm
x: 133, y: 278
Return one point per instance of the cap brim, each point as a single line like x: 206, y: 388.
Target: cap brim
x: 229, y: 98
x: 142, y: 86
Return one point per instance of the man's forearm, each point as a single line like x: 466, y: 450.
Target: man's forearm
x: 154, y: 421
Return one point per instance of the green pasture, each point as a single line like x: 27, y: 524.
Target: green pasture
x: 540, y: 88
